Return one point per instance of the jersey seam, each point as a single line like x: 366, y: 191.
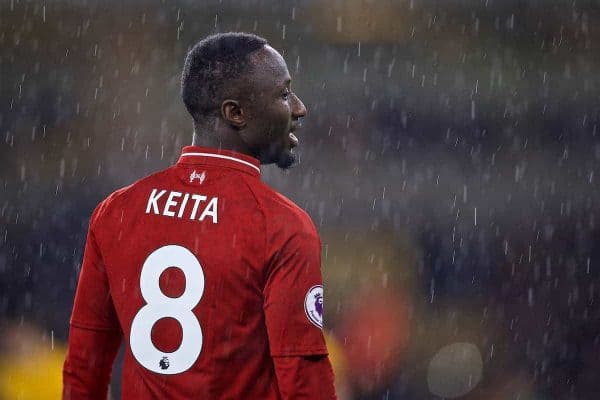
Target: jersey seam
x: 261, y: 208
x: 96, y: 243
x: 299, y: 352
x: 93, y: 327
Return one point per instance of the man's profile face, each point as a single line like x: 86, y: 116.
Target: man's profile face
x: 271, y: 109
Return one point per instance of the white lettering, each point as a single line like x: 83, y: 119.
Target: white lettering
x: 211, y: 209
x: 198, y: 198
x: 170, y: 203
x: 153, y: 199
x: 182, y: 206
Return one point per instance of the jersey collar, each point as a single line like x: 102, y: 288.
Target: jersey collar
x: 219, y: 157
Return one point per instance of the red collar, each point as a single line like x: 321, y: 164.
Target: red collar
x: 219, y: 157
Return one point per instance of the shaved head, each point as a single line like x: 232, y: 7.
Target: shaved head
x: 213, y: 70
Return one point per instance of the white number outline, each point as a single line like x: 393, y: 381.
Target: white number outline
x: 159, y: 306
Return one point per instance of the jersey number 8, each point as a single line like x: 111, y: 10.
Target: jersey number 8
x: 158, y: 306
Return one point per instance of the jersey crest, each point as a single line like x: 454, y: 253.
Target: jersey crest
x: 200, y: 176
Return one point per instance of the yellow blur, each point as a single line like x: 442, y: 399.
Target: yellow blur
x: 31, y: 368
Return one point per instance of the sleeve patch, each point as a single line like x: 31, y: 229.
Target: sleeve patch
x: 313, y: 305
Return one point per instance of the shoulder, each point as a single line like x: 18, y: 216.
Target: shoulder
x: 125, y: 196
x: 282, y: 214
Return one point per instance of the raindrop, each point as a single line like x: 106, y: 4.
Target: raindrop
x: 530, y: 297
x: 587, y: 268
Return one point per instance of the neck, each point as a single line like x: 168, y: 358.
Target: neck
x: 219, y: 137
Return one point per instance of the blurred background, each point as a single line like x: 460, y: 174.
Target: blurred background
x: 448, y: 160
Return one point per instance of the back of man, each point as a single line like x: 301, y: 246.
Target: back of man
x: 211, y: 278
x: 190, y: 258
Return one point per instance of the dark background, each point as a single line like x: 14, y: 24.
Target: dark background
x: 448, y: 159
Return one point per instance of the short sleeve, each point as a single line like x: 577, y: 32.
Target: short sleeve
x: 293, y: 298
x: 93, y: 307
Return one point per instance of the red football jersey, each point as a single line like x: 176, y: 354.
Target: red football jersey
x: 208, y: 274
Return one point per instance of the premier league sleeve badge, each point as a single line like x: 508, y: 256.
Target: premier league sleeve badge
x: 313, y: 305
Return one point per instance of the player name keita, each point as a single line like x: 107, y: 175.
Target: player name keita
x: 182, y: 205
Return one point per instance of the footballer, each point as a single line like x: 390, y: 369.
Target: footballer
x: 211, y: 278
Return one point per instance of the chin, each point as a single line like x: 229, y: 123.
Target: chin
x: 286, y: 160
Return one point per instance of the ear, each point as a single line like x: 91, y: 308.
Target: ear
x: 232, y: 112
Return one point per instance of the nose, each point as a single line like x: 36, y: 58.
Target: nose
x: 298, y: 108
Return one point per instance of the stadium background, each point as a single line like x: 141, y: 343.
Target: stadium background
x: 448, y: 159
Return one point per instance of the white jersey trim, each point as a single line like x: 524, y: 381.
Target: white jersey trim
x: 224, y: 157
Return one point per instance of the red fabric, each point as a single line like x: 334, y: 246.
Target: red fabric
x: 309, y: 378
x: 258, y: 253
x: 88, y: 365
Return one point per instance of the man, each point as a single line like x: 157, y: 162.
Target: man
x: 211, y: 277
